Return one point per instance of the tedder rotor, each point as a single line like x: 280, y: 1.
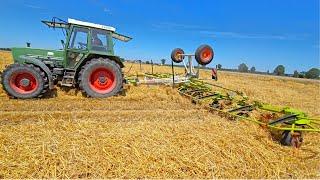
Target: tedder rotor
x: 234, y: 105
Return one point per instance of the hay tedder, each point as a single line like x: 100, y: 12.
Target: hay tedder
x: 285, y: 124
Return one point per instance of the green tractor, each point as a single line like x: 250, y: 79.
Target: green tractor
x: 87, y: 61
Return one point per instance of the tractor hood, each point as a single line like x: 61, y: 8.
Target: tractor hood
x: 45, y: 54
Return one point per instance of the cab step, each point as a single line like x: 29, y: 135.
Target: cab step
x: 68, y: 79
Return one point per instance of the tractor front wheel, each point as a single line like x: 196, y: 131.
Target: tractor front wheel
x: 100, y: 78
x: 24, y: 81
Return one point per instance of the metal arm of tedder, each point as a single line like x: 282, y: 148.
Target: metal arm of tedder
x: 292, y: 117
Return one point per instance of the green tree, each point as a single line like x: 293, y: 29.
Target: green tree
x: 219, y: 66
x: 163, y: 61
x: 253, y: 69
x: 296, y: 74
x: 279, y: 70
x: 243, y: 67
x: 147, y: 62
x: 313, y: 73
x: 301, y: 75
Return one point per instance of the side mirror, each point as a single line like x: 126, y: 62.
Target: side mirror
x: 62, y: 42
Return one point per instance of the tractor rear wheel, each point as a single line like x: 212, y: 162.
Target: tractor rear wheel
x: 24, y: 81
x: 100, y: 78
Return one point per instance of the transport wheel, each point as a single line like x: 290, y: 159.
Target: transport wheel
x: 100, y: 78
x: 175, y: 55
x: 291, y: 139
x: 24, y: 81
x: 204, y: 54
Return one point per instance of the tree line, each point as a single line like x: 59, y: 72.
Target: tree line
x: 312, y: 73
x: 5, y: 49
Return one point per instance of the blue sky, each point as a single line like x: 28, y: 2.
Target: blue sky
x: 260, y: 33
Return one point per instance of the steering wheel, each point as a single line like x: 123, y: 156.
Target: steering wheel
x: 82, y: 45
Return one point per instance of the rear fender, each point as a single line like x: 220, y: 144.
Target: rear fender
x: 92, y: 56
x: 117, y: 60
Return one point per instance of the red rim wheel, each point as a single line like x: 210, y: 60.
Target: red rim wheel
x: 204, y: 54
x: 102, y: 80
x: 23, y: 82
x: 176, y: 55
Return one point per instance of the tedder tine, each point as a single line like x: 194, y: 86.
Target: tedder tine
x: 284, y: 119
x: 242, y: 108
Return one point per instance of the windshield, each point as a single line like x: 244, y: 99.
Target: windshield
x: 99, y: 40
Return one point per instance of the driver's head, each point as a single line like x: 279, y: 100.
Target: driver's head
x: 95, y: 39
x: 94, y: 34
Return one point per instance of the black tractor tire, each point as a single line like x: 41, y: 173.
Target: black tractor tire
x: 24, y: 81
x: 288, y: 139
x: 204, y: 54
x: 175, y: 55
x: 100, y: 78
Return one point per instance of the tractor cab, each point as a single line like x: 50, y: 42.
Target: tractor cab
x: 84, y: 39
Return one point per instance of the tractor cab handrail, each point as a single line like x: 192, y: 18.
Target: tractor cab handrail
x: 53, y: 24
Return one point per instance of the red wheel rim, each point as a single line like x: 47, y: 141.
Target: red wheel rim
x: 102, y: 80
x: 178, y: 55
x: 206, y: 55
x: 23, y: 82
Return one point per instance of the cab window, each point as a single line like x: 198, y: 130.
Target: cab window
x: 79, y: 38
x: 99, y: 40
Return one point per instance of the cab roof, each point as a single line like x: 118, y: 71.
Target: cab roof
x: 64, y: 24
x: 93, y: 25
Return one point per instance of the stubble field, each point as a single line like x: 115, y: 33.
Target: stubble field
x: 152, y: 132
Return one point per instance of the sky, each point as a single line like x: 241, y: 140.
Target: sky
x: 260, y: 33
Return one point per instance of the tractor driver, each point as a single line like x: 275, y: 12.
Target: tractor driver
x: 95, y: 40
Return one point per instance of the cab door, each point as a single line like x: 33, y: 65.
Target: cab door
x: 77, y: 47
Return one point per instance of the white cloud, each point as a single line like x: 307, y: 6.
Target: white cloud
x: 106, y: 10
x: 32, y: 6
x: 216, y: 34
x: 102, y: 5
x: 175, y: 26
x: 211, y: 32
